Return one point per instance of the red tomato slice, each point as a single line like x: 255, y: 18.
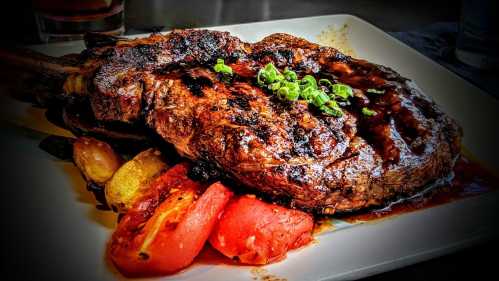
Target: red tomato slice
x: 156, y: 238
x: 255, y: 232
x: 184, y: 243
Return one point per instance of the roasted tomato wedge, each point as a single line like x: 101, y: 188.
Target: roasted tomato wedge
x: 158, y: 237
x: 255, y: 232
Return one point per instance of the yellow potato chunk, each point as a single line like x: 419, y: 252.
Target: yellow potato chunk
x: 131, y: 180
x: 96, y: 159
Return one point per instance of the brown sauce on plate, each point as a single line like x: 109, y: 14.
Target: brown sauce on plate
x: 470, y: 179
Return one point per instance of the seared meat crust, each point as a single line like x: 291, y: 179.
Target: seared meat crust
x: 288, y: 151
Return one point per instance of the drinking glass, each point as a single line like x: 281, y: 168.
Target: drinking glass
x: 478, y: 38
x: 62, y: 20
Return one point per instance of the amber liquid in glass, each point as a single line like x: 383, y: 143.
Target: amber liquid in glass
x: 62, y: 20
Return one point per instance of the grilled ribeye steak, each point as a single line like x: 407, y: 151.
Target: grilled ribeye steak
x: 287, y: 150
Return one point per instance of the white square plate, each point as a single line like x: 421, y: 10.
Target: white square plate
x: 68, y: 235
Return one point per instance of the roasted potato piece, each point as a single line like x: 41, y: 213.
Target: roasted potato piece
x: 131, y: 180
x: 96, y: 159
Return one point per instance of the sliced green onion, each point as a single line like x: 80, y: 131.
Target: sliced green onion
x: 282, y: 93
x: 294, y: 90
x: 286, y: 93
x: 375, y: 91
x: 331, y: 108
x: 259, y: 77
x: 268, y: 75
x: 308, y: 81
x: 306, y: 94
x: 343, y: 91
x: 289, y: 91
x: 289, y: 75
x: 320, y: 98
x: 286, y: 86
x: 220, y: 67
x: 274, y: 86
x: 327, y: 83
x: 272, y: 74
x: 293, y: 95
x: 368, y: 112
x: 332, y: 104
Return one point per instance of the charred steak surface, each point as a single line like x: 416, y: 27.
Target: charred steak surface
x: 286, y: 150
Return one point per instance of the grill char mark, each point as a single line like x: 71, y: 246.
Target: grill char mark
x: 285, y: 150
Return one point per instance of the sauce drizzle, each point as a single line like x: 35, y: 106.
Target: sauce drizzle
x: 470, y: 179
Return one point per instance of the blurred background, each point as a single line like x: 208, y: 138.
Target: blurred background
x: 148, y: 15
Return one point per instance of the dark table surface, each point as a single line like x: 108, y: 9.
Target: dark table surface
x: 391, y: 16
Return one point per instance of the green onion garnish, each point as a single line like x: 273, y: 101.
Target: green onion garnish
x: 337, y: 90
x: 343, y: 91
x: 220, y: 67
x: 268, y: 75
x: 289, y: 75
x: 289, y: 91
x: 326, y: 83
x: 375, y: 91
x: 320, y: 98
x: 274, y: 86
x: 288, y: 87
x: 368, y: 112
x: 331, y: 108
x: 308, y: 81
x: 306, y: 94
